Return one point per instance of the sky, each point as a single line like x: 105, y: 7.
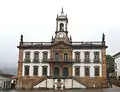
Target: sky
x: 36, y: 20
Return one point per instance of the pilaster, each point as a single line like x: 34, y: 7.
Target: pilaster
x: 104, y: 63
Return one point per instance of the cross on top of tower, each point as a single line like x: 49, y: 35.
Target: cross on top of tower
x: 62, y: 10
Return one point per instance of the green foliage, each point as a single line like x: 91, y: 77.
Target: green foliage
x: 110, y: 63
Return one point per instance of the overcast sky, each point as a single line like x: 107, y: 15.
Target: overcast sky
x: 36, y: 20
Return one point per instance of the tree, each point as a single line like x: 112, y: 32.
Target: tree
x: 110, y: 65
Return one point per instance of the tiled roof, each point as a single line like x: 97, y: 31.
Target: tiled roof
x: 6, y: 75
x: 116, y: 54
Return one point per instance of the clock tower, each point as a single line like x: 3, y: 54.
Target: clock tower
x: 61, y: 33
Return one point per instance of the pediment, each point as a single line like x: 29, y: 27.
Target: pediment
x: 61, y: 45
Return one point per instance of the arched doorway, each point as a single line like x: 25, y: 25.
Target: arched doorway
x: 65, y: 71
x: 56, y: 71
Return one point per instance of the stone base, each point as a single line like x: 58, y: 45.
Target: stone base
x: 92, y: 82
x: 27, y: 82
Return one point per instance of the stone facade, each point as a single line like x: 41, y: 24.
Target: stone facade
x: 54, y: 64
x: 117, y: 65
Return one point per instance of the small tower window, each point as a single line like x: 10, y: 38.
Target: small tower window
x: 61, y: 27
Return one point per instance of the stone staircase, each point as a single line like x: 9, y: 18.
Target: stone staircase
x: 29, y: 82
x: 95, y: 82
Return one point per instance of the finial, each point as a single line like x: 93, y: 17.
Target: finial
x: 62, y: 10
x: 21, y: 39
x: 103, y: 38
x: 70, y: 38
x: 52, y: 39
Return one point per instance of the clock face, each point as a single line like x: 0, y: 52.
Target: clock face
x: 61, y: 35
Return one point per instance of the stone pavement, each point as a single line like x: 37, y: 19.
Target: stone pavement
x: 113, y: 89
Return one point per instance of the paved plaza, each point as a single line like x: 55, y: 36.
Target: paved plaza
x: 113, y: 89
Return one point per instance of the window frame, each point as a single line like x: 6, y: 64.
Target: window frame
x: 26, y: 72
x: 87, y: 67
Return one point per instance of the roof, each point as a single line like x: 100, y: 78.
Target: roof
x: 6, y: 75
x: 116, y: 55
x: 75, y: 45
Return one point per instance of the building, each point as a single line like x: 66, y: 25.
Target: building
x: 117, y: 65
x: 5, y: 81
x: 61, y: 63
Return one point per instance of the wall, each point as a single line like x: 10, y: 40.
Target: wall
x: 117, y: 62
x: 91, y: 54
x: 39, y: 68
x: 82, y: 69
x: 7, y: 82
x: 91, y: 64
x: 69, y: 83
x: 40, y: 64
x: 32, y: 54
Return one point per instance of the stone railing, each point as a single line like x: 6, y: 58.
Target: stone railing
x: 87, y: 43
x: 36, y: 43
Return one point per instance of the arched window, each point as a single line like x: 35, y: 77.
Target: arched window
x: 65, y: 71
x: 97, y: 71
x: 36, y: 56
x: 77, y: 70
x: 77, y: 56
x: 65, y: 57
x: 35, y: 70
x: 26, y: 70
x: 61, y: 27
x: 56, y: 56
x: 44, y: 70
x: 27, y: 56
x: 87, y: 71
x: 87, y: 56
x: 56, y: 71
x: 96, y: 56
x: 45, y: 56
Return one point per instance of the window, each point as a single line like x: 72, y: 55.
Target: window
x: 115, y: 65
x: 87, y: 59
x: 77, y: 56
x: 56, y: 56
x: 45, y: 56
x: 36, y: 57
x: 65, y: 56
x: 61, y: 27
x: 65, y: 71
x: 44, y: 72
x: 35, y: 70
x: 26, y: 70
x: 27, y: 57
x: 96, y: 71
x: 77, y: 71
x: 96, y: 56
x: 87, y: 72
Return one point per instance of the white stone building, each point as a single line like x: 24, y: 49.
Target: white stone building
x: 62, y: 62
x: 5, y: 81
x: 117, y: 64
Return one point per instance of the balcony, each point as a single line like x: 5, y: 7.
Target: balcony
x: 36, y: 60
x: 96, y: 60
x: 27, y: 60
x: 77, y: 60
x: 60, y: 60
x: 45, y: 60
x: 86, y: 60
